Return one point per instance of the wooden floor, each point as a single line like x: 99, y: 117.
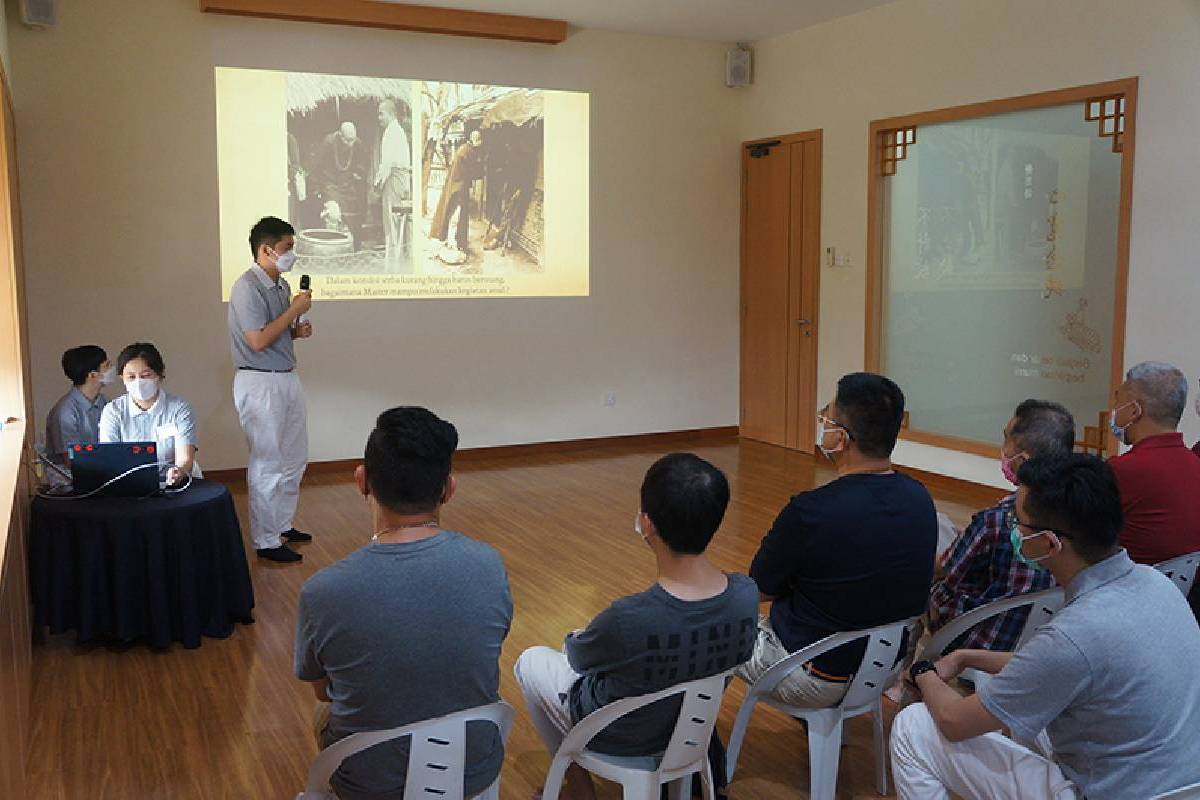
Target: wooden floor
x: 229, y: 721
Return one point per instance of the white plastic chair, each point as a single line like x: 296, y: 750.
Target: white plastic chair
x: 880, y: 666
x: 642, y: 777
x: 1042, y: 606
x: 1186, y: 793
x: 436, y: 759
x: 1181, y: 570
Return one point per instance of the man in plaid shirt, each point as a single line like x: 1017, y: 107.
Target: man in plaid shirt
x: 981, y: 566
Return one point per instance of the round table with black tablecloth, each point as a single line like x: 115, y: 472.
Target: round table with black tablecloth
x: 162, y: 569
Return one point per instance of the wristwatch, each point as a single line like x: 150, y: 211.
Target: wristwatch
x: 920, y: 668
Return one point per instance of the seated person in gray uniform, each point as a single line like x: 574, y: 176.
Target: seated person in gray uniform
x: 75, y: 418
x: 1102, y: 702
x: 148, y: 413
x: 694, y: 622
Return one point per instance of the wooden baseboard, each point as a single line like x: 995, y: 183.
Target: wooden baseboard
x: 944, y: 486
x: 476, y: 457
x: 968, y: 492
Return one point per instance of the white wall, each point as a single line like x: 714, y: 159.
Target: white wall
x: 119, y: 194
x: 917, y: 55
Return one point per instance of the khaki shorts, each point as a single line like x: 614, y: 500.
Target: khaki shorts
x: 800, y: 689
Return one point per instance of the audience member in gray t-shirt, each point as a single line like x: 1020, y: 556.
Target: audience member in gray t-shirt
x: 410, y: 627
x: 694, y: 622
x: 1110, y: 679
x: 646, y: 642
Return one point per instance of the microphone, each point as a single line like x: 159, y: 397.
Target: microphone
x: 305, y: 282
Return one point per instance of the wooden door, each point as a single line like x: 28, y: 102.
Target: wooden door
x: 780, y: 273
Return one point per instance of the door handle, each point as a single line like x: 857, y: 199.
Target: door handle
x: 804, y: 322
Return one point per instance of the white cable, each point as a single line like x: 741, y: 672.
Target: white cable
x: 111, y: 481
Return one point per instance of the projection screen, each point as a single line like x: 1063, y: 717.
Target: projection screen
x: 401, y: 188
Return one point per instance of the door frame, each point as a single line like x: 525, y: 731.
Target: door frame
x: 803, y: 296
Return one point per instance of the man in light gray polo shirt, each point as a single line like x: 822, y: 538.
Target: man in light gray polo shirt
x: 75, y: 418
x: 264, y: 319
x: 1104, y: 698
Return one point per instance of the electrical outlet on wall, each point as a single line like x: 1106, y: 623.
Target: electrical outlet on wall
x: 610, y: 398
x: 836, y: 258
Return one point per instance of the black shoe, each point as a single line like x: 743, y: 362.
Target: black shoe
x: 281, y: 554
x: 294, y: 535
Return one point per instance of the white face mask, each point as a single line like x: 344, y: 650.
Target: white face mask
x: 108, y: 376
x: 821, y: 431
x: 142, y: 389
x: 285, y: 262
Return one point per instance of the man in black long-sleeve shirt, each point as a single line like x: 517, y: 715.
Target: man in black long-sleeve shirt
x: 855, y: 553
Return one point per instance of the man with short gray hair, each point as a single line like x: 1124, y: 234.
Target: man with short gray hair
x: 982, y: 566
x: 1159, y: 478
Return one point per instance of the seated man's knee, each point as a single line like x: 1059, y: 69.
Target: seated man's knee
x: 911, y: 728
x: 528, y: 661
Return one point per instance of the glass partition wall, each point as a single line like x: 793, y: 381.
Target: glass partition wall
x: 997, y: 258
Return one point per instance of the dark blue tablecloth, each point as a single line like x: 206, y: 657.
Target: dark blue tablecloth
x: 162, y: 569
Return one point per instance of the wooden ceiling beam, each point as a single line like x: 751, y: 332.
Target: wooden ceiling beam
x: 398, y: 16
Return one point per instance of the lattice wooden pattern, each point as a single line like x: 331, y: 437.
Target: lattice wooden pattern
x: 1109, y: 114
x: 893, y: 148
x: 1094, y: 440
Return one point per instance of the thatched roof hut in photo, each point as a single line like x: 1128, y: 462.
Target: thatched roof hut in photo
x: 307, y: 90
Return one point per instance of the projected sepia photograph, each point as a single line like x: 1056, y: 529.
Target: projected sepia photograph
x: 481, y: 184
x: 404, y: 188
x: 349, y: 172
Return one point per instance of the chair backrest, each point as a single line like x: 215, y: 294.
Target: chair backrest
x: 693, y: 729
x: 1042, y: 606
x: 880, y: 665
x: 1181, y: 570
x: 436, y: 759
x: 1186, y: 793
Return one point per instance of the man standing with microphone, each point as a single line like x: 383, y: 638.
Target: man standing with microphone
x: 264, y: 319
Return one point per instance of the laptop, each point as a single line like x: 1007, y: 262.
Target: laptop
x: 94, y: 465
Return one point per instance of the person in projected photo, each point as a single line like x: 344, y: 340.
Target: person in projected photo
x: 75, y: 418
x: 149, y: 413
x: 340, y: 173
x: 393, y: 178
x: 855, y: 553
x: 264, y: 320
x: 466, y: 167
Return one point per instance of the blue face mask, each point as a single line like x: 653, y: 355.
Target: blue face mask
x: 1119, y: 430
x: 1014, y: 536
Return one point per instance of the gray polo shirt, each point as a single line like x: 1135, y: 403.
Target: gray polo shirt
x: 73, y: 420
x: 1113, y: 680
x: 255, y: 301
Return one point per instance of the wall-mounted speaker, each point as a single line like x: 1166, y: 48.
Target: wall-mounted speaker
x: 739, y: 62
x: 38, y: 13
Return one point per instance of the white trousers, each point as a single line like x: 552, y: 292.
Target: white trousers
x: 546, y: 677
x: 273, y: 414
x: 927, y: 766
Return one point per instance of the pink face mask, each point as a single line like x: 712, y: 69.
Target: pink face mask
x: 1006, y: 467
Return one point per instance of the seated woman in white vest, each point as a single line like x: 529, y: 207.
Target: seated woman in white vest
x: 149, y: 413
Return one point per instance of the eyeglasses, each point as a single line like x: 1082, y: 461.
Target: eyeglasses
x: 1011, y: 523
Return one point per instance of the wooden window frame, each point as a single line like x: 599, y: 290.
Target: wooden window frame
x: 882, y: 155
